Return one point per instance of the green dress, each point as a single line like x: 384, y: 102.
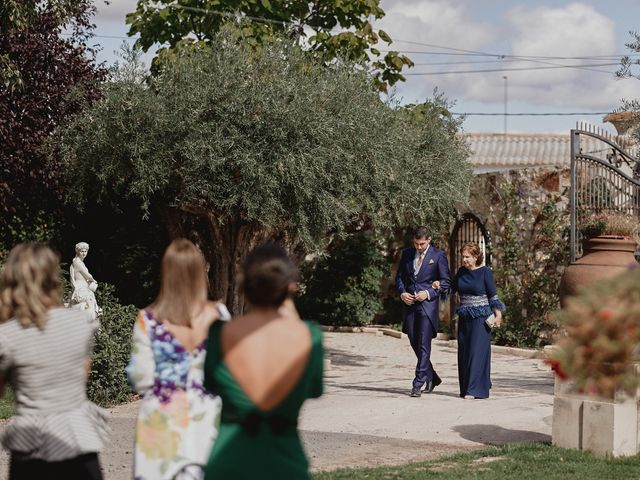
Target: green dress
x: 253, y: 444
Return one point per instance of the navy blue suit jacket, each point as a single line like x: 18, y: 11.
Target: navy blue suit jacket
x: 434, y: 267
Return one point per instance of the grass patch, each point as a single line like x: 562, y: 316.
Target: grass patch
x: 7, y: 404
x: 519, y: 461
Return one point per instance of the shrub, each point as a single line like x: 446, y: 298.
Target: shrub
x: 528, y: 276
x: 344, y: 287
x: 107, y: 380
x: 610, y: 224
x: 593, y: 227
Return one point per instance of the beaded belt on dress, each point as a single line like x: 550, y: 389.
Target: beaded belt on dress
x: 474, y: 300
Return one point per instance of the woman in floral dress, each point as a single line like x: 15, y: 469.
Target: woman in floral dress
x: 178, y: 420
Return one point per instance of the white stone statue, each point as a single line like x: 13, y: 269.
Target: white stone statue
x: 84, y: 285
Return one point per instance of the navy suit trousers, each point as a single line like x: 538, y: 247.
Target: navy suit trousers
x: 419, y: 329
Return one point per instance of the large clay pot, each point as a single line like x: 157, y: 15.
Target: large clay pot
x: 603, y: 257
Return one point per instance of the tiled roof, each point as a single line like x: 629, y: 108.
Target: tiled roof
x: 519, y: 150
x: 498, y: 151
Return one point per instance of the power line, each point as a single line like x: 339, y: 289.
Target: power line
x: 467, y: 62
x: 508, y: 60
x: 501, y: 56
x: 453, y: 49
x: 475, y: 62
x: 507, y: 56
x: 587, y: 57
x: 422, y: 52
x: 504, y: 55
x: 525, y: 69
x: 527, y: 114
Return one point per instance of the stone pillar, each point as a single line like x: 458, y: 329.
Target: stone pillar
x: 601, y: 426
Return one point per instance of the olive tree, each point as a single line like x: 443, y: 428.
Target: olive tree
x: 240, y: 146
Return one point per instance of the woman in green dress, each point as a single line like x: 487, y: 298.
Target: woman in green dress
x: 264, y: 365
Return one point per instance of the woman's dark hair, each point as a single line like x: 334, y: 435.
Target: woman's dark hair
x: 266, y: 275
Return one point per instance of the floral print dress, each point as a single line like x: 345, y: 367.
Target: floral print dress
x: 178, y: 420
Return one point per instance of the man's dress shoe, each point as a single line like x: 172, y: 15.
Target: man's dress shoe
x: 435, y: 381
x: 415, y: 392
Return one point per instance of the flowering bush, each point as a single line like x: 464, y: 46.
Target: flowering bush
x: 602, y: 334
x: 610, y: 224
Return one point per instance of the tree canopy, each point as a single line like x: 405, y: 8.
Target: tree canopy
x: 242, y: 146
x: 331, y: 28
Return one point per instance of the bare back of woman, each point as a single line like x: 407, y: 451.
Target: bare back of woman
x: 266, y: 352
x: 192, y: 335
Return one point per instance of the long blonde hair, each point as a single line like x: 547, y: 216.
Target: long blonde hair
x: 29, y: 284
x: 183, y: 289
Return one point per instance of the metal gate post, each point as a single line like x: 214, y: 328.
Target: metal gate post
x: 575, y: 148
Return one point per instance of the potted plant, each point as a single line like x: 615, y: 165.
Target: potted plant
x: 609, y: 242
x: 596, y: 364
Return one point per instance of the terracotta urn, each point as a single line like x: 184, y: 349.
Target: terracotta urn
x: 605, y: 256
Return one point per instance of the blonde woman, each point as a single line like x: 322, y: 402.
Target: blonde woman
x: 178, y: 420
x: 44, y: 355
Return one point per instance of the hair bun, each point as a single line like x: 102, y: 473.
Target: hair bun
x: 267, y: 274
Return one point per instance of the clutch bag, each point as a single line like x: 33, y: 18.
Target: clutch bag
x: 491, y: 321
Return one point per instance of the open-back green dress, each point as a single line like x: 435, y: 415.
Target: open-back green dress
x: 253, y: 444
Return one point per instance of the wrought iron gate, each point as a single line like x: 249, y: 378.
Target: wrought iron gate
x: 468, y: 228
x: 604, y: 179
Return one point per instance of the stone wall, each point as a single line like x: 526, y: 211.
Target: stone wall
x: 523, y: 194
x: 526, y: 213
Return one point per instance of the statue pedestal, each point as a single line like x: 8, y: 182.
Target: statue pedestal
x: 599, y: 425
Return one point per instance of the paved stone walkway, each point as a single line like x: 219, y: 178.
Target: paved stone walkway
x: 366, y: 416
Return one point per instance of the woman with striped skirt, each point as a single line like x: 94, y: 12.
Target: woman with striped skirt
x: 44, y: 355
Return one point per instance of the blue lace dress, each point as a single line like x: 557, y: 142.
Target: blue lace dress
x: 478, y: 300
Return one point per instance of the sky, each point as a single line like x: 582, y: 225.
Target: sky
x: 464, y: 36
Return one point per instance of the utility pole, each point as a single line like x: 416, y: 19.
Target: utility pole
x: 506, y: 83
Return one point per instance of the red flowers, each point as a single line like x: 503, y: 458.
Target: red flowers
x: 599, y: 350
x: 557, y: 368
x: 606, y: 314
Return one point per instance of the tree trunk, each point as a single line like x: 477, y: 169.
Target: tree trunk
x: 225, y: 245
x: 231, y: 243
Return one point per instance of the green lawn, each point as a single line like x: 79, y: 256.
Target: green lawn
x: 521, y: 462
x: 7, y: 404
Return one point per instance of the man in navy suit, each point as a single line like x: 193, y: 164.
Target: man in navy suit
x: 419, y: 267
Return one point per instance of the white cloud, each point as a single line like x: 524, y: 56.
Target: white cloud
x: 114, y: 11
x: 436, y: 22
x: 432, y: 21
x: 572, y: 29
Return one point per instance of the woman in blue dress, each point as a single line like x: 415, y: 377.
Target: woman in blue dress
x: 478, y: 300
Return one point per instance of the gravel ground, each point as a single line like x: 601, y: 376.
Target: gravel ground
x: 366, y: 417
